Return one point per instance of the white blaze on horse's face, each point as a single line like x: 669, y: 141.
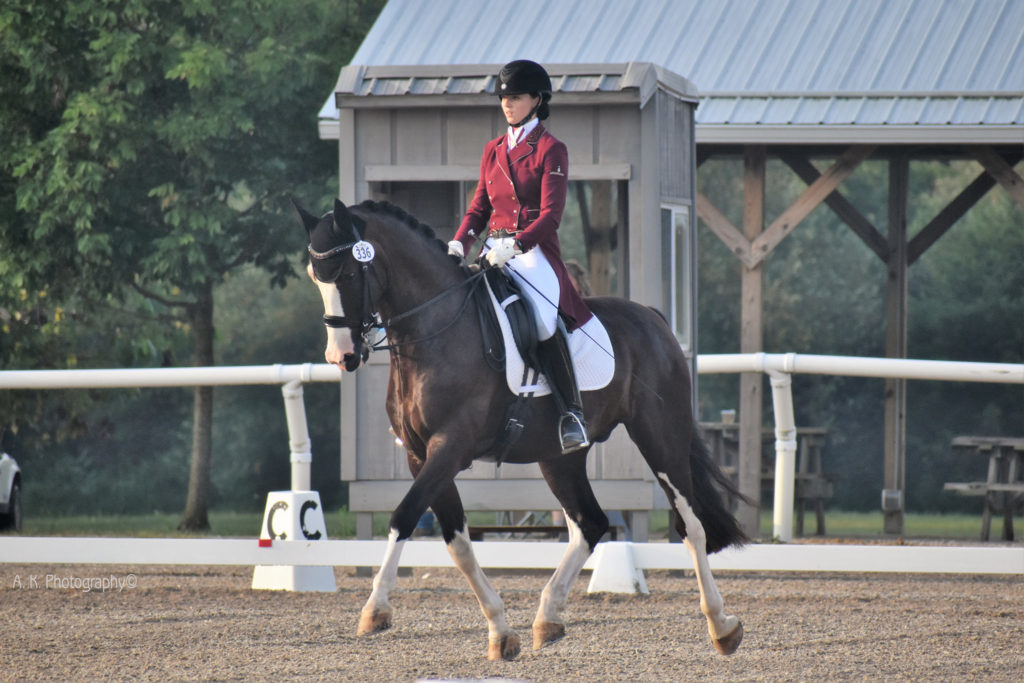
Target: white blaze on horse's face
x: 339, y: 339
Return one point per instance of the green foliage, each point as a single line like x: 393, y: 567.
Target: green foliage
x: 258, y: 326
x: 148, y: 152
x: 153, y: 144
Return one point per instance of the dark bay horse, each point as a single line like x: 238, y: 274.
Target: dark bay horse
x: 448, y: 406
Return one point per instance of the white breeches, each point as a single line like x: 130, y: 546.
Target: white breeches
x: 539, y: 284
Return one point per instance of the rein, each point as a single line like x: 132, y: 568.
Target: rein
x: 474, y: 280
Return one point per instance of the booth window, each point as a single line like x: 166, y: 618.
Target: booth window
x: 678, y: 272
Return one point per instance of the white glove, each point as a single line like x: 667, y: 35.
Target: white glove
x: 455, y: 249
x: 502, y: 251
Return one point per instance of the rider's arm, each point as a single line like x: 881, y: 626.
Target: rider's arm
x: 554, y: 183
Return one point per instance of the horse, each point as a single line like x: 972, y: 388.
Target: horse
x: 376, y: 266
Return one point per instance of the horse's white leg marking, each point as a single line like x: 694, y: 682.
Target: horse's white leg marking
x: 498, y: 630
x: 711, y: 604
x: 376, y: 614
x: 555, y: 595
x: 339, y: 340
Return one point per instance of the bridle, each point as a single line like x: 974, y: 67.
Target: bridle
x: 369, y: 320
x: 364, y: 253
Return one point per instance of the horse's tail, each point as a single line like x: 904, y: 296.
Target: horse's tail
x: 709, y: 482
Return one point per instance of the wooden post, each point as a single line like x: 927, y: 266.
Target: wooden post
x: 893, y: 503
x: 751, y: 341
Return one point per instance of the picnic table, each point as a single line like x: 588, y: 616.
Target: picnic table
x: 812, y: 485
x: 1003, y: 489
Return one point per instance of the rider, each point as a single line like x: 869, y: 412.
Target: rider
x: 517, y: 207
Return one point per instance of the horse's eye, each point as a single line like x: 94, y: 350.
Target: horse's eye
x: 349, y: 276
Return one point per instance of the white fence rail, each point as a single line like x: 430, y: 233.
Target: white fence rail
x: 512, y: 555
x: 779, y: 367
x: 853, y: 366
x: 290, y: 377
x: 168, y: 377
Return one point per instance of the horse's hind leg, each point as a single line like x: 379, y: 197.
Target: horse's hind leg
x: 567, y: 477
x: 726, y: 630
x: 502, y: 641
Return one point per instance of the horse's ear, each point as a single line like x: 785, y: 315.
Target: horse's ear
x: 308, y: 220
x: 349, y: 226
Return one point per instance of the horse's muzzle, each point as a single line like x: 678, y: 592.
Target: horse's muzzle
x: 355, y: 359
x: 352, y: 362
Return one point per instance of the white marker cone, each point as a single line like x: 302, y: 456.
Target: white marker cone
x: 615, y: 571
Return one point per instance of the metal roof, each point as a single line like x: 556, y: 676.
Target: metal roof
x: 766, y: 70
x: 356, y: 83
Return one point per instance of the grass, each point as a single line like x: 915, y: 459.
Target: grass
x: 342, y: 524
x: 157, y: 525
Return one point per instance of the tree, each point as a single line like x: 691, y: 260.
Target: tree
x: 149, y: 149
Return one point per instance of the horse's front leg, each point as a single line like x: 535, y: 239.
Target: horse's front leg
x: 376, y: 613
x: 502, y: 641
x: 725, y: 629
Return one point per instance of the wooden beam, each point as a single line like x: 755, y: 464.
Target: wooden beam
x: 846, y: 164
x: 751, y: 341
x: 953, y: 212
x: 1000, y: 170
x: 724, y: 229
x: 846, y: 211
x: 945, y: 219
x: 895, y: 467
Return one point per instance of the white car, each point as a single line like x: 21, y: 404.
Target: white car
x: 10, y: 493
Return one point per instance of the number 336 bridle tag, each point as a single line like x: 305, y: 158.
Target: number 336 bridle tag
x: 363, y: 251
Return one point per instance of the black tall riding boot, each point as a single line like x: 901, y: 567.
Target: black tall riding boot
x: 558, y: 368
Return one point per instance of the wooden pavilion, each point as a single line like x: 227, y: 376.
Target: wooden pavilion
x: 821, y: 85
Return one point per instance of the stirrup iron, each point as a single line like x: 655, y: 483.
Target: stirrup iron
x: 572, y: 432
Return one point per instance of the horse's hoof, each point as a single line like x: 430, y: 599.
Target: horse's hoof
x: 729, y: 643
x: 506, y: 648
x: 547, y: 632
x: 374, y: 621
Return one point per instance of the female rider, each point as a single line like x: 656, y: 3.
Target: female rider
x: 517, y: 209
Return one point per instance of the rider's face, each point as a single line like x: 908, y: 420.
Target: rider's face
x: 518, y: 107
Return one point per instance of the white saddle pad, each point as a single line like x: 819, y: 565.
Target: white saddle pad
x: 589, y: 345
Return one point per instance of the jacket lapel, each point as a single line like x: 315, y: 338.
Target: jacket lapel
x: 527, y: 146
x: 501, y: 154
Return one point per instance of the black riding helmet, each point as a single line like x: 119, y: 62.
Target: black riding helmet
x: 525, y: 77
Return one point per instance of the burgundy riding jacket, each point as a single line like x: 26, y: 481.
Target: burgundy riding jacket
x: 522, y: 192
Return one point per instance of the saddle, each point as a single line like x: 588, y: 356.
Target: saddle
x: 524, y: 332
x: 520, y: 319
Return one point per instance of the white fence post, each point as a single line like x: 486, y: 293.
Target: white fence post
x: 785, y: 455
x: 301, y: 455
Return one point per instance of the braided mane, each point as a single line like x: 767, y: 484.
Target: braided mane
x: 407, y: 219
